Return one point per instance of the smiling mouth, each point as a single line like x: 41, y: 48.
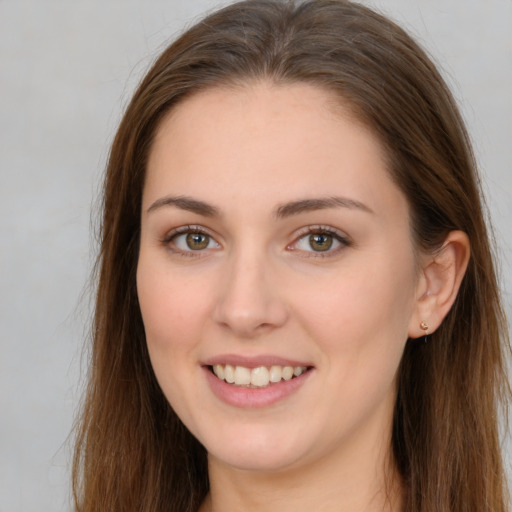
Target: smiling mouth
x: 259, y: 377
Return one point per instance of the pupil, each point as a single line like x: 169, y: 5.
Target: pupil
x: 196, y: 241
x: 320, y: 242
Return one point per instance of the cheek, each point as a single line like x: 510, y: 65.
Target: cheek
x: 170, y: 306
x: 363, y: 312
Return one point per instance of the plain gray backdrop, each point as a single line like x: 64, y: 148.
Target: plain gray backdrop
x: 67, y: 68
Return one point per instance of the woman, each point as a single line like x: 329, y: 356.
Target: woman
x: 297, y: 306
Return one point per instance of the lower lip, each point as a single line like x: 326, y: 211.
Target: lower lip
x: 238, y: 396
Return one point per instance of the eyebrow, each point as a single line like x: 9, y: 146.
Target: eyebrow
x: 186, y: 203
x: 282, y: 211
x: 307, y: 205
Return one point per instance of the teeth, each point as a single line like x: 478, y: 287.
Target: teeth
x: 298, y: 371
x: 218, y: 369
x: 276, y: 373
x: 258, y: 377
x: 242, y: 376
x: 229, y: 374
x: 287, y: 372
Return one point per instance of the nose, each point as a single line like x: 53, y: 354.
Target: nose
x: 249, y: 302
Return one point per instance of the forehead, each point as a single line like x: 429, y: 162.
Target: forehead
x: 259, y: 107
x: 265, y: 142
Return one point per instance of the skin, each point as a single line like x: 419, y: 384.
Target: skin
x: 260, y: 288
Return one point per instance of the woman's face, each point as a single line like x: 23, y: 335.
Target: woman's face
x: 273, y: 241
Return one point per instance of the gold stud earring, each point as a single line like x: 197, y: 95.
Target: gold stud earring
x: 424, y: 327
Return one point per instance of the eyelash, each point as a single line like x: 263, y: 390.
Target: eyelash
x: 342, y: 239
x: 185, y: 230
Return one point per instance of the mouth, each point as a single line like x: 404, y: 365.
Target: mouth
x: 255, y: 382
x: 257, y: 377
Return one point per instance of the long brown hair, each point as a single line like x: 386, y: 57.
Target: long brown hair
x: 132, y: 452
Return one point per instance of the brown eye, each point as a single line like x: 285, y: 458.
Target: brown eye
x: 191, y: 240
x: 197, y: 241
x: 320, y: 241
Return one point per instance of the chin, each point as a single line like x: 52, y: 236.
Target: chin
x: 257, y: 450
x: 256, y: 461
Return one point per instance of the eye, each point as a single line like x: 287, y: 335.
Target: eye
x: 320, y: 240
x: 190, y: 239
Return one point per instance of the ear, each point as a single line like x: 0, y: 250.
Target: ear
x: 439, y: 282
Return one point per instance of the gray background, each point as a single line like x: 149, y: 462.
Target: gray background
x: 66, y: 70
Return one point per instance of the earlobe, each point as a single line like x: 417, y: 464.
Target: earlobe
x: 439, y: 283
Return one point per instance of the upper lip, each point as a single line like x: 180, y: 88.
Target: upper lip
x: 253, y: 361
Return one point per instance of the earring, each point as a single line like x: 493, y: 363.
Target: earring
x: 424, y: 327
